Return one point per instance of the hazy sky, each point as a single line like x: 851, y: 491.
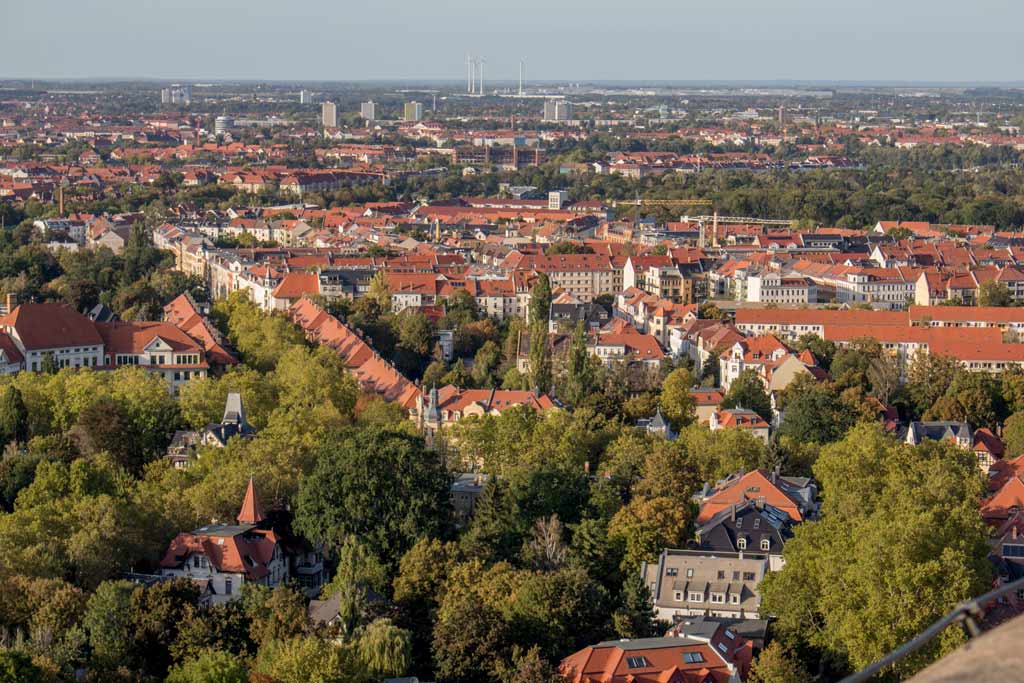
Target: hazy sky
x: 932, y: 40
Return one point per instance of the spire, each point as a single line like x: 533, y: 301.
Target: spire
x: 433, y: 409
x: 252, y: 511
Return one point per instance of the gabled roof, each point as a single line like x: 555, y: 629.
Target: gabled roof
x: 50, y: 326
x: 296, y: 284
x: 138, y: 337
x: 1008, y: 499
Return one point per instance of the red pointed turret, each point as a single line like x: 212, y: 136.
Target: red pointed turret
x: 252, y: 511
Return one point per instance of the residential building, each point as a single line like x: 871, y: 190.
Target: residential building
x: 748, y: 526
x: 57, y: 330
x: 444, y: 407
x: 157, y: 347
x: 774, y: 288
x: 567, y: 310
x: 706, y: 403
x: 329, y: 115
x: 465, y: 492
x: 186, y: 444
x: 657, y: 425
x: 368, y: 110
x: 722, y: 656
x: 695, y: 582
x: 796, y: 496
x: 740, y: 418
x: 413, y: 111
x: 986, y: 446
x: 260, y: 548
x: 558, y: 110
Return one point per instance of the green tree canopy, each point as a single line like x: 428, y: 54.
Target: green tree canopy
x: 382, y: 486
x: 899, y: 542
x: 747, y: 391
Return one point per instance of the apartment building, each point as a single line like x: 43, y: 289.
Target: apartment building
x: 585, y: 276
x: 695, y: 582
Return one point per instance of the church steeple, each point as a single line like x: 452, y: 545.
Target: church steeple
x: 252, y: 511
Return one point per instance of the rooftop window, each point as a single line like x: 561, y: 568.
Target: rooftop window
x: 637, y: 662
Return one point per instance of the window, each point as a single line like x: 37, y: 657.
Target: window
x: 695, y: 597
x: 637, y: 662
x: 671, y: 571
x: 748, y: 576
x: 1013, y: 550
x: 729, y: 634
x: 734, y: 598
x: 678, y: 596
x: 722, y: 648
x: 689, y: 573
x: 718, y: 598
x: 766, y: 544
x: 228, y: 588
x: 741, y: 543
x: 721, y: 574
x: 693, y: 657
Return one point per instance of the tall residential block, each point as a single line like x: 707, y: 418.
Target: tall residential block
x: 329, y: 115
x: 413, y: 111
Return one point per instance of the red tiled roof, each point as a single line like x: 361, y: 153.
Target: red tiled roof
x: 134, y: 337
x: 373, y: 373
x: 50, y: 325
x: 752, y: 485
x: 296, y: 284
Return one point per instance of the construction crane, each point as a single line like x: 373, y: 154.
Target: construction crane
x: 659, y: 202
x: 664, y: 202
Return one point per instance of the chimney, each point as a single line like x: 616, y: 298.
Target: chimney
x: 12, y: 300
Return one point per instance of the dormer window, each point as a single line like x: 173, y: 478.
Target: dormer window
x: 766, y: 544
x: 741, y: 543
x: 637, y: 662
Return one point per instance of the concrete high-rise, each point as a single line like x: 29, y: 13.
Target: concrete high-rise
x: 558, y: 110
x: 305, y: 97
x: 413, y: 111
x: 329, y: 115
x: 368, y: 110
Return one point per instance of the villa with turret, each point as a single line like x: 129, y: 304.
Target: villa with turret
x: 259, y: 548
